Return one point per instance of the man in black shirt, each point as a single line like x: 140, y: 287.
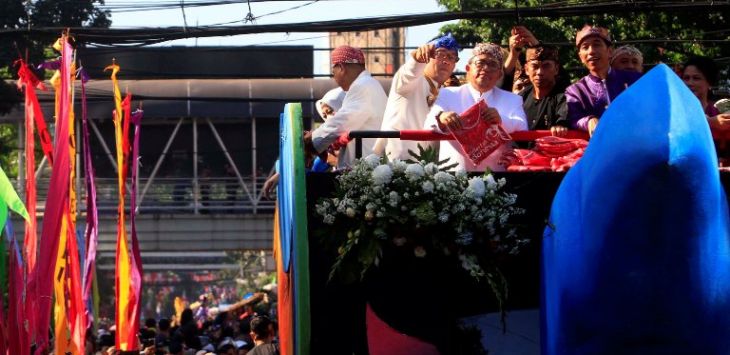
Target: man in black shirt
x: 544, y: 101
x: 262, y: 332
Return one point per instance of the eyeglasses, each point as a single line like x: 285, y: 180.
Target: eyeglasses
x: 490, y: 65
x: 446, y: 57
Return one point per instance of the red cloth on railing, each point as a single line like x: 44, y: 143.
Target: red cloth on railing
x: 519, y: 136
x: 526, y: 136
x: 550, y: 154
x: 342, y: 141
x: 556, y: 147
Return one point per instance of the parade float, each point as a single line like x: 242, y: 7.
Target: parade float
x: 636, y: 247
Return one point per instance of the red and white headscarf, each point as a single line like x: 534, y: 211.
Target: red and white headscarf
x: 347, y: 54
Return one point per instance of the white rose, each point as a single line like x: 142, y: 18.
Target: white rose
x: 394, y: 198
x: 399, y: 166
x: 443, y: 177
x: 460, y: 172
x: 372, y: 160
x: 476, y: 185
x: 382, y: 175
x: 431, y: 168
x: 427, y: 187
x: 329, y: 219
x: 350, y: 212
x: 414, y: 171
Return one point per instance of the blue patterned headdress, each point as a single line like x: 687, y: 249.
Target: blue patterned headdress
x: 447, y: 41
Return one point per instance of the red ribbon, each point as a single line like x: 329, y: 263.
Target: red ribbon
x: 27, y: 78
x: 28, y: 82
x: 56, y: 204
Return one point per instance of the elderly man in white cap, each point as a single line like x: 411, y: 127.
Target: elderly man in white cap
x: 414, y: 90
x: 362, y: 108
x: 482, y: 74
x: 629, y: 58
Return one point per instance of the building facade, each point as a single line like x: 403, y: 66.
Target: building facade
x: 384, y: 49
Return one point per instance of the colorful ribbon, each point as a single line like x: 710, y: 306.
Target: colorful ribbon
x: 12, y: 332
x: 17, y: 335
x: 136, y: 275
x: 75, y: 310
x: 56, y: 205
x: 127, y: 278
x: 28, y: 82
x: 91, y: 234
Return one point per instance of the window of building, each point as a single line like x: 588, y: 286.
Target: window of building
x: 376, y: 59
x: 357, y: 34
x: 376, y: 34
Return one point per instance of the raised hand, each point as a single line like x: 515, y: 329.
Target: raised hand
x: 424, y: 53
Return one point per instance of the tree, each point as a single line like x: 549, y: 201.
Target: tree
x: 21, y: 14
x: 43, y: 13
x: 694, y: 27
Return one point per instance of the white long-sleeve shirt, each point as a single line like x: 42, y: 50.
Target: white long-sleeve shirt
x: 458, y: 99
x: 362, y: 109
x: 407, y: 108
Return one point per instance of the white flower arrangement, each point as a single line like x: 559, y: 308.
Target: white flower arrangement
x: 419, y: 206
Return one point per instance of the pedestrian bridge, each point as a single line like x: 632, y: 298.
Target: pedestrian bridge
x: 176, y: 215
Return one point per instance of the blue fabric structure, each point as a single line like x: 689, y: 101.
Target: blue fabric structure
x: 635, y: 259
x: 285, y: 168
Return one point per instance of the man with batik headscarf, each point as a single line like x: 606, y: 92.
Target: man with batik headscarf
x: 629, y: 58
x: 362, y: 108
x: 590, y: 96
x: 482, y: 74
x: 414, y: 90
x: 543, y: 103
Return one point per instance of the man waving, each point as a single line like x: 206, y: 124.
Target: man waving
x: 414, y: 90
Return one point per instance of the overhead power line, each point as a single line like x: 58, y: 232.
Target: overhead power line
x: 136, y: 6
x: 146, y: 36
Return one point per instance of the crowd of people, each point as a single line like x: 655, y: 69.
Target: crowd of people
x: 524, y: 86
x: 204, y: 327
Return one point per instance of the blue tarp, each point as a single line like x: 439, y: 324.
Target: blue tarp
x: 635, y: 259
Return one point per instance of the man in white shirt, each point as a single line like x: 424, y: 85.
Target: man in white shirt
x: 414, y: 90
x: 482, y: 74
x: 362, y: 107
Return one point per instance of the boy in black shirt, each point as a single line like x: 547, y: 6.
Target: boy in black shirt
x: 544, y: 100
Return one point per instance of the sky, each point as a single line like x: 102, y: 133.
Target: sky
x: 319, y: 11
